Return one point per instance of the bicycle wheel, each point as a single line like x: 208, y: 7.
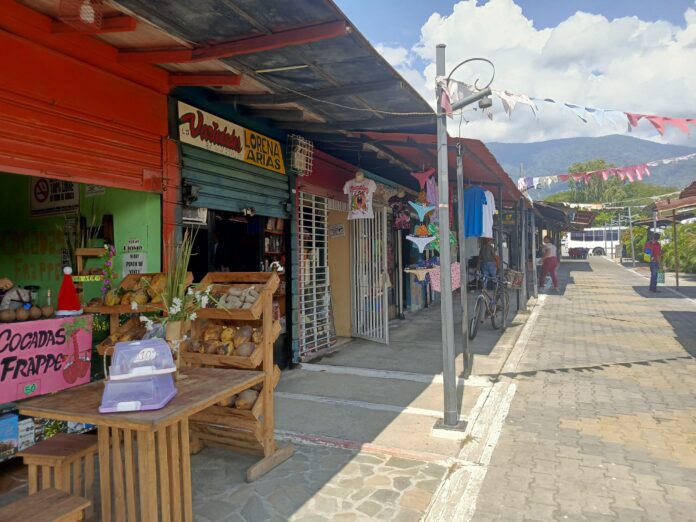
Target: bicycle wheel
x: 502, y: 307
x: 477, y: 317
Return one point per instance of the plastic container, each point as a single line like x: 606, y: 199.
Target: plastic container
x: 141, y: 358
x: 147, y: 393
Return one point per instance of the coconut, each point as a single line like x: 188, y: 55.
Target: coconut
x: 47, y: 311
x: 7, y: 316
x: 34, y: 312
x: 246, y: 400
x: 21, y: 314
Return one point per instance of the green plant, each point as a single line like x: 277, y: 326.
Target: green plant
x: 686, y: 247
x: 640, y: 236
x: 179, y: 302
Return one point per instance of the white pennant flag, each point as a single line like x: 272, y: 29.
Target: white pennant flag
x: 597, y: 114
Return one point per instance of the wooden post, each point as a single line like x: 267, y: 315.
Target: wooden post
x: 268, y: 413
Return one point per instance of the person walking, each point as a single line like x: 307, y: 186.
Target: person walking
x: 549, y: 263
x: 653, y: 250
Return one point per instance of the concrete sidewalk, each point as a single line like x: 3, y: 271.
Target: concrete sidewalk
x: 603, y: 421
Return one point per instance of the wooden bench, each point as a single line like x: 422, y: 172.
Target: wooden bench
x: 48, y: 505
x: 64, y: 462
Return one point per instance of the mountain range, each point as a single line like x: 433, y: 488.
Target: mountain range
x: 546, y: 158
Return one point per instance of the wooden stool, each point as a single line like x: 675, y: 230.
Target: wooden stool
x: 62, y: 462
x: 48, y: 505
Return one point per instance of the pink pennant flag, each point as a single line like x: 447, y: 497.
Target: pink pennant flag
x: 605, y: 174
x: 445, y: 103
x: 680, y: 123
x: 578, y: 177
x: 621, y: 174
x: 563, y: 177
x: 629, y: 174
x: 587, y: 176
x: 646, y: 172
x: 638, y: 173
x: 633, y: 119
x: 658, y: 122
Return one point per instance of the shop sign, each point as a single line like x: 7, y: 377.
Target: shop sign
x: 38, y: 357
x: 209, y: 132
x: 509, y: 218
x: 134, y: 263
x: 337, y: 230
x: 48, y: 197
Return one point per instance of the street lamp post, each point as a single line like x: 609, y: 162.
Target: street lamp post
x: 451, y: 409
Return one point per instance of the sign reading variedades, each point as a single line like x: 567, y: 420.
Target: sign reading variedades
x: 39, y: 357
x: 209, y: 132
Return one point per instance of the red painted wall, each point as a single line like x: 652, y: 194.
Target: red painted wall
x: 329, y: 174
x: 62, y: 116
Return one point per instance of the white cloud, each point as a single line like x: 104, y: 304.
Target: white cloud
x: 625, y: 64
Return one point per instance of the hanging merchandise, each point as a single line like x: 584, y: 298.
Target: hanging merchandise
x: 488, y: 212
x: 422, y: 177
x: 434, y: 231
x: 360, y: 191
x: 431, y: 192
x: 422, y: 210
x: 454, y: 274
x: 474, y: 200
x: 401, y: 211
x: 420, y: 242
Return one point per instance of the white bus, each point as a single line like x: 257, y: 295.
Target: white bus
x: 599, y: 241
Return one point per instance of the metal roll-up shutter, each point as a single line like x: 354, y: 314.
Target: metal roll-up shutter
x: 227, y: 184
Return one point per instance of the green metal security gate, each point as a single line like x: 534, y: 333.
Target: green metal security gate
x: 231, y: 185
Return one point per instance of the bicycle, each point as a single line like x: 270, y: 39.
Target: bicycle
x: 495, y: 304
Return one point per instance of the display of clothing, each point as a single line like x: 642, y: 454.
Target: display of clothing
x: 474, y: 201
x: 360, y: 198
x: 431, y: 192
x: 420, y: 242
x: 423, y: 210
x: 488, y: 212
x: 422, y: 177
x: 454, y: 274
x: 401, y: 212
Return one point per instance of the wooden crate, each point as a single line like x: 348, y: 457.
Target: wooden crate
x: 224, y: 361
x: 107, y: 348
x: 220, y: 282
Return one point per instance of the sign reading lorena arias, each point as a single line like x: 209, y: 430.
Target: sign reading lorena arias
x: 209, y: 132
x: 38, y: 357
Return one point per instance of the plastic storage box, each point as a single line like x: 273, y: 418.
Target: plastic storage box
x: 141, y: 358
x: 139, y: 394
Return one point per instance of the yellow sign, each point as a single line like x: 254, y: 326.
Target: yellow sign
x: 263, y: 152
x: 215, y: 134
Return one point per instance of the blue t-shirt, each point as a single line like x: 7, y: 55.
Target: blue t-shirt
x: 474, y: 199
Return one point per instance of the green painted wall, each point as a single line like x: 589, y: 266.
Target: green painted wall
x: 30, y: 247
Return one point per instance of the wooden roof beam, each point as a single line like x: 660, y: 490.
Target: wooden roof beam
x: 251, y: 45
x: 112, y: 24
x: 205, y: 80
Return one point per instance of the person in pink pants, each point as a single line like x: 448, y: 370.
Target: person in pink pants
x: 549, y: 263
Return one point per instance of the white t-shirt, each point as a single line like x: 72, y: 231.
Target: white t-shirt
x: 488, y: 211
x: 548, y: 250
x: 360, y: 198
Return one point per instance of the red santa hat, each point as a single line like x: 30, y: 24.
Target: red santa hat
x: 68, y: 302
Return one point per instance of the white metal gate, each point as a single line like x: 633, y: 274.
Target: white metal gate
x: 369, y: 279
x: 315, y: 296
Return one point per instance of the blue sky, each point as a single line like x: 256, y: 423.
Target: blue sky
x: 633, y: 56
x: 398, y: 22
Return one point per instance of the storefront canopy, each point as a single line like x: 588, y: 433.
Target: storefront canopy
x: 686, y: 202
x: 418, y: 151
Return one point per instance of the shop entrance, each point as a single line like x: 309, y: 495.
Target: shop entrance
x: 370, y: 280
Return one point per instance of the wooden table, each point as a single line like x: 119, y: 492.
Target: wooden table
x: 154, y: 482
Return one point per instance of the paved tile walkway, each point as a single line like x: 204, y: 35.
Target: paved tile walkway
x: 603, y: 422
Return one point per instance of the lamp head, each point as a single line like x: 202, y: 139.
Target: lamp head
x: 485, y: 102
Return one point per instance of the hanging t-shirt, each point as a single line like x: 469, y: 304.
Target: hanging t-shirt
x: 474, y: 201
x: 401, y: 212
x: 360, y: 198
x: 488, y: 212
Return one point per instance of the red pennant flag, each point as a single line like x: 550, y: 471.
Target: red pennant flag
x: 633, y: 119
x: 658, y: 122
x: 680, y: 123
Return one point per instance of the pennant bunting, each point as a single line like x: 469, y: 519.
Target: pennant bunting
x: 577, y: 110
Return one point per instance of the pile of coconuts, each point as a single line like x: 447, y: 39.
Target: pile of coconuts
x: 22, y: 314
